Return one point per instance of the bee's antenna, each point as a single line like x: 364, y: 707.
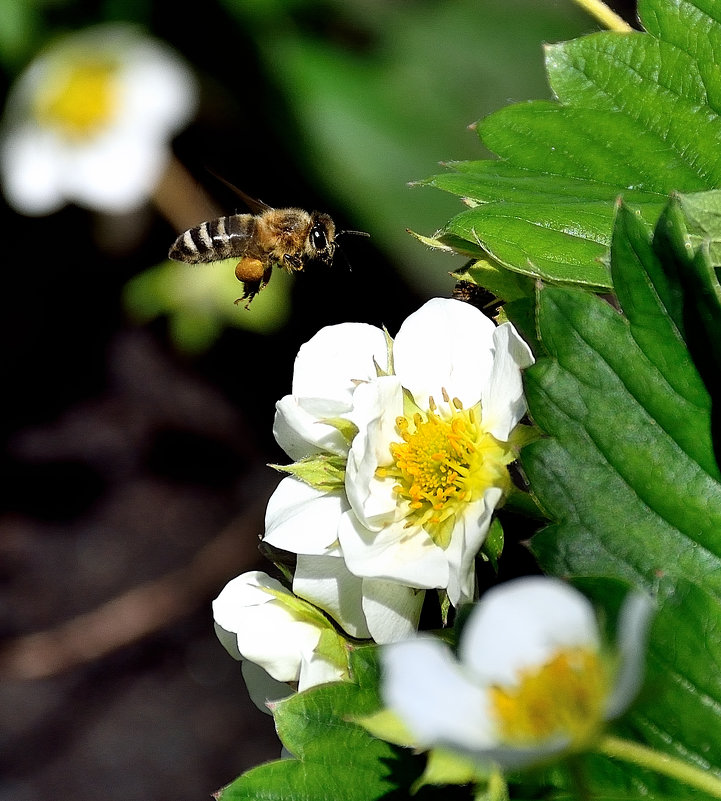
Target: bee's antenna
x: 342, y: 252
x: 355, y: 233
x: 345, y: 258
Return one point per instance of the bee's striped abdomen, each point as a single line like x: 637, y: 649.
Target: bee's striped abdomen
x: 214, y: 240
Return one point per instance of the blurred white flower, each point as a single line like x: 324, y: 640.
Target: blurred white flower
x: 280, y: 638
x: 90, y: 121
x: 421, y: 429
x: 532, y: 678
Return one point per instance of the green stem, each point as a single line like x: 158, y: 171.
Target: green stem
x: 658, y: 762
x: 601, y: 12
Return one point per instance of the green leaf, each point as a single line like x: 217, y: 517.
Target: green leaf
x: 628, y: 475
x: 637, y: 116
x: 702, y: 215
x: 198, y: 302
x: 676, y: 711
x: 693, y: 27
x: 526, y: 236
x: 648, y: 289
x: 679, y: 708
x: 652, y: 83
x: 334, y: 757
x: 629, y: 471
x: 19, y: 32
x: 696, y: 219
x: 605, y: 147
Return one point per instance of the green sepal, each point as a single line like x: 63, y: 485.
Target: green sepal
x: 492, y: 547
x: 302, y: 609
x: 446, y: 606
x: 524, y: 503
x: 449, y: 244
x: 389, y: 356
x: 503, y: 283
x: 284, y: 561
x: 324, y: 472
x: 333, y: 647
x: 386, y: 725
x: 410, y: 407
x: 523, y: 435
x: 496, y: 788
x: 346, y: 428
x: 446, y: 767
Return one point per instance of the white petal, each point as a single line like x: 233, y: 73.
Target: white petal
x: 300, y: 433
x: 446, y: 344
x: 521, y: 624
x: 117, y: 169
x: 635, y: 616
x: 31, y: 175
x: 262, y: 687
x: 248, y: 589
x: 326, y: 582
x: 515, y: 757
x: 272, y: 638
x: 330, y: 364
x: 376, y: 406
x: 425, y: 686
x: 394, y: 553
x: 502, y: 401
x: 160, y: 92
x: 268, y: 631
x: 392, y: 610
x: 301, y: 519
x: 228, y: 640
x: 468, y: 537
x: 115, y: 173
x: 316, y: 670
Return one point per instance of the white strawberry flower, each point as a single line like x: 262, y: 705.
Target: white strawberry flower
x: 532, y: 678
x: 421, y: 430
x: 90, y: 121
x: 283, y: 642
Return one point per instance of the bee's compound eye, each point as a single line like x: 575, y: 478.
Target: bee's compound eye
x: 318, y: 237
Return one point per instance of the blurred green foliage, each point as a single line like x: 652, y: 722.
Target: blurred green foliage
x: 379, y: 92
x: 386, y: 90
x: 198, y: 302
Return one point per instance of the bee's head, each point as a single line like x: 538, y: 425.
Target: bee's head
x: 321, y: 238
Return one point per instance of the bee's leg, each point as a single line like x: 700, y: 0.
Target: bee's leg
x: 250, y: 290
x: 252, y: 287
x: 292, y: 262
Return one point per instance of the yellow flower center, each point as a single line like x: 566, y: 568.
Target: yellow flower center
x: 80, y: 99
x: 444, y: 462
x: 563, y: 697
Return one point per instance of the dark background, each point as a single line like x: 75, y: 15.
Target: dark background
x: 133, y: 476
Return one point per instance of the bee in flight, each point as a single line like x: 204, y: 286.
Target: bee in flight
x: 287, y: 238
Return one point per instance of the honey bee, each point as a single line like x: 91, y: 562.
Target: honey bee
x: 286, y: 238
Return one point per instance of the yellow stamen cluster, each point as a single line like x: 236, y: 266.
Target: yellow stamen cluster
x: 564, y: 697
x: 444, y: 461
x: 79, y: 99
